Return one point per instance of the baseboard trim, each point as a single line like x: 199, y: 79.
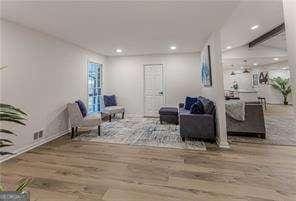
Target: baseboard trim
x: 34, y: 145
x: 222, y: 145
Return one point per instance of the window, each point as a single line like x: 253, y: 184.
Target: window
x: 94, y: 86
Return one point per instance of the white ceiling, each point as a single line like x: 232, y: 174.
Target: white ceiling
x: 267, y: 14
x: 262, y: 55
x: 136, y: 27
x: 278, y: 42
x: 237, y: 33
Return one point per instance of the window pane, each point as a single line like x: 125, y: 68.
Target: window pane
x: 94, y: 84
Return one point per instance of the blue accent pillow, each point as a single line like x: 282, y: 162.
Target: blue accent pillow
x: 197, y: 108
x: 110, y: 100
x: 189, y: 101
x: 82, y: 107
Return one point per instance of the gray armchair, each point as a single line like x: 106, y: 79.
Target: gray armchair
x: 77, y: 120
x: 198, y: 126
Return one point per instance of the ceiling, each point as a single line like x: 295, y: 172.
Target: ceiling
x: 137, y: 28
x: 263, y: 54
x: 237, y: 32
x: 237, y: 64
x: 140, y: 28
x: 278, y: 41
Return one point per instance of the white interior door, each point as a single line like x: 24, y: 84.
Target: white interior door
x: 153, y: 89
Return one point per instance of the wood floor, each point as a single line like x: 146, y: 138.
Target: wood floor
x: 65, y: 170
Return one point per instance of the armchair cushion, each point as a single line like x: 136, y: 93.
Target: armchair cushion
x: 91, y: 120
x: 197, y: 108
x: 110, y: 100
x: 189, y: 101
x: 76, y: 119
x: 113, y: 110
x: 82, y: 107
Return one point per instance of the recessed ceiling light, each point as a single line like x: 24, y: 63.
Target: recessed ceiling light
x: 255, y: 64
x: 119, y: 50
x: 173, y: 47
x: 255, y: 27
x: 284, y: 68
x: 242, y: 67
x: 228, y: 47
x: 276, y: 59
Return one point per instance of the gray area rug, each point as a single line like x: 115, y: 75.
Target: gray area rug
x: 141, y: 131
x: 280, y: 123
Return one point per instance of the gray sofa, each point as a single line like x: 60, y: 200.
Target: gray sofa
x: 198, y: 126
x: 253, y: 125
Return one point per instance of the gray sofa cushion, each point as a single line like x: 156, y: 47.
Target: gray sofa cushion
x: 197, y: 108
x: 208, y: 105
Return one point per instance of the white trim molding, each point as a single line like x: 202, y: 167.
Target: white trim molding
x: 222, y: 145
x: 34, y: 145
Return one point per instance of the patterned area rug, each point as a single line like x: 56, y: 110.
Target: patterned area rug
x: 141, y: 131
x: 280, y: 124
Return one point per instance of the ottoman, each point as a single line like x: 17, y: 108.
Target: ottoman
x: 169, y: 115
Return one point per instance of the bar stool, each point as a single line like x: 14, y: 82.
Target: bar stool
x: 263, y: 101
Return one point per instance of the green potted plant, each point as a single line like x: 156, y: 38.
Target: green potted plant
x: 283, y: 86
x: 11, y: 114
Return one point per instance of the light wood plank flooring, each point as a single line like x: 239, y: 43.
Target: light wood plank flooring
x: 65, y: 170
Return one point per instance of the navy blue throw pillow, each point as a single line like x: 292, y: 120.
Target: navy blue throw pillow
x: 110, y: 101
x: 197, y: 108
x: 82, y: 107
x: 189, y: 101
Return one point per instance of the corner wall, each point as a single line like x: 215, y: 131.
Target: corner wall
x: 216, y: 92
x: 43, y: 75
x: 290, y: 23
x: 125, y: 75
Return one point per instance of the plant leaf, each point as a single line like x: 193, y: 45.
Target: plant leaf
x: 5, y: 145
x: 12, y: 115
x: 2, y: 153
x: 11, y: 120
x: 12, y: 112
x: 7, y: 132
x: 23, y: 183
x: 3, y: 66
x: 2, y: 187
x: 5, y: 140
x: 10, y: 107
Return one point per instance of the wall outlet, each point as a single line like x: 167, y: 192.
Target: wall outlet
x: 36, y: 135
x: 40, y: 134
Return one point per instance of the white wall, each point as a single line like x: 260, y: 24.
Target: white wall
x: 43, y: 75
x: 290, y: 23
x: 244, y: 81
x: 272, y: 95
x: 216, y: 92
x: 124, y: 77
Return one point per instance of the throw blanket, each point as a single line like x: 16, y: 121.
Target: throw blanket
x: 235, y: 109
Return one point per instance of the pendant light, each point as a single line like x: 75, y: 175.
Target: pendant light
x: 246, y: 67
x: 232, y: 72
